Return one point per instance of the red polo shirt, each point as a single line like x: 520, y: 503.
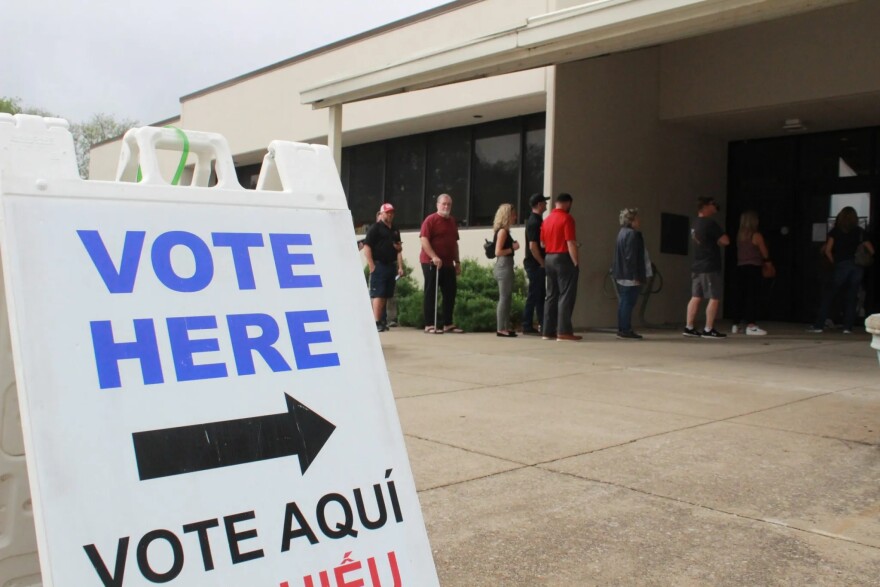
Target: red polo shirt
x: 442, y: 233
x: 557, y: 228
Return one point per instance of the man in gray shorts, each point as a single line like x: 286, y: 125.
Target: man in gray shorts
x: 708, y: 239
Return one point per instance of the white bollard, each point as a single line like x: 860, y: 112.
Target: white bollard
x: 872, y: 326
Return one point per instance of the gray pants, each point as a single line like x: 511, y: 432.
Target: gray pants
x: 562, y: 278
x: 503, y: 273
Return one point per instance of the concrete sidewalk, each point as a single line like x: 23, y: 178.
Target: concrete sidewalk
x: 667, y: 461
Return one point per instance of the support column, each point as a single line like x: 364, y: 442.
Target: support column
x: 549, y: 129
x: 334, y: 135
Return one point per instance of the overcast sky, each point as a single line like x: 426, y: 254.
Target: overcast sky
x: 135, y: 60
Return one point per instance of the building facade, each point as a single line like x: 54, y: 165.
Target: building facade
x: 765, y: 104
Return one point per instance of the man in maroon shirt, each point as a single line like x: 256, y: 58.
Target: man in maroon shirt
x: 440, y: 261
x: 561, y: 264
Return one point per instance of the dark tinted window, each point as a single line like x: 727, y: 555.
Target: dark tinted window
x: 533, y: 163
x: 837, y: 154
x: 248, y: 175
x: 405, y: 182
x: 496, y: 174
x: 449, y: 154
x: 366, y: 182
x: 479, y: 166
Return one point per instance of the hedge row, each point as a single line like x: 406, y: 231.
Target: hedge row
x: 475, y: 302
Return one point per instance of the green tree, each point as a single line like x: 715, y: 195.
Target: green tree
x: 100, y: 127
x: 10, y: 105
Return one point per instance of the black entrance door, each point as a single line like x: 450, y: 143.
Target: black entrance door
x: 797, y: 185
x: 822, y: 204
x: 762, y: 177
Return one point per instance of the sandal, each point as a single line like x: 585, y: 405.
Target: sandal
x: 453, y: 329
x: 432, y: 330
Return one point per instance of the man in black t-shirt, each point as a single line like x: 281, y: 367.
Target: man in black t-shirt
x: 534, y: 265
x: 382, y: 249
x: 708, y: 238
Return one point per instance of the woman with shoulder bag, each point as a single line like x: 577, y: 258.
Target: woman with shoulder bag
x: 629, y: 270
x: 505, y: 247
x: 840, y: 249
x: 753, y: 264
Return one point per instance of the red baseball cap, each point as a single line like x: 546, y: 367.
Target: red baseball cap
x: 386, y: 208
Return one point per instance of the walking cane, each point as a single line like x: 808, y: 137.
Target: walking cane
x: 436, y: 297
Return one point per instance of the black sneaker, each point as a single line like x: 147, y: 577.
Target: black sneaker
x: 629, y: 334
x: 712, y: 334
x: 691, y: 332
x: 381, y: 327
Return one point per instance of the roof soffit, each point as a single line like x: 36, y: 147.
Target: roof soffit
x: 580, y: 32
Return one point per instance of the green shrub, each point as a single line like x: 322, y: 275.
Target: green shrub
x: 474, y: 313
x: 475, y: 303
x: 409, y: 298
x: 409, y: 308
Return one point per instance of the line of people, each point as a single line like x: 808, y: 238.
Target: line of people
x: 551, y: 262
x: 439, y: 259
x: 551, y: 265
x: 845, y: 242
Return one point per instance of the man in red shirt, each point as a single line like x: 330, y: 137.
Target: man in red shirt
x: 561, y: 264
x: 440, y: 261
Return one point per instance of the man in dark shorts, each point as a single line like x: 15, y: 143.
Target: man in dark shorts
x: 382, y: 248
x: 708, y: 239
x: 534, y: 266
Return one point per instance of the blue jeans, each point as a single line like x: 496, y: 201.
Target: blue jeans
x: 535, y: 299
x: 629, y: 296
x: 848, y: 274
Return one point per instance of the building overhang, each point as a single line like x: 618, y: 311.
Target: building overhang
x: 588, y: 30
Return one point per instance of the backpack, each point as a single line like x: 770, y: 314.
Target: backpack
x: 489, y: 247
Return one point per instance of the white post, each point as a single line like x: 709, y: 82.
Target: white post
x: 872, y: 326
x: 334, y: 135
x: 550, y: 128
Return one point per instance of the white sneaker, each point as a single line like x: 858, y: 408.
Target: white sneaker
x: 755, y: 331
x: 734, y: 329
x: 847, y: 331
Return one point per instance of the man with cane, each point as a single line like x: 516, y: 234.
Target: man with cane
x: 440, y: 266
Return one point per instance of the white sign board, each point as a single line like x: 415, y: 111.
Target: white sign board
x: 203, y: 393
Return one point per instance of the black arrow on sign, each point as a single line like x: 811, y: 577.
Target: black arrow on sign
x: 187, y: 449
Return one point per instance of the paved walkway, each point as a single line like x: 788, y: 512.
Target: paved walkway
x: 667, y: 461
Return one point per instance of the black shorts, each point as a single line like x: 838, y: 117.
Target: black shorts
x: 382, y: 280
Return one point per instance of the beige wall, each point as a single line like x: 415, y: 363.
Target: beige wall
x: 611, y: 151
x: 268, y: 106
x: 104, y: 159
x: 265, y: 107
x: 623, y: 132
x: 814, y: 56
